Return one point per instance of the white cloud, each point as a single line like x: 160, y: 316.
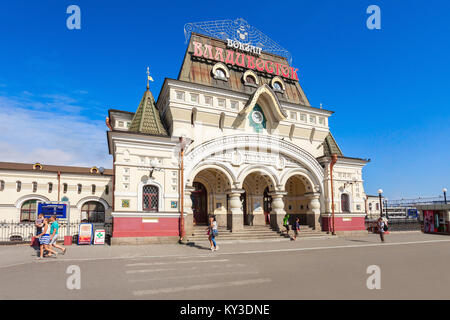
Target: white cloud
x: 38, y: 131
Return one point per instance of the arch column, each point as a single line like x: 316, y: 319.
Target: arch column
x: 188, y: 212
x: 236, y: 215
x: 313, y: 214
x: 277, y: 214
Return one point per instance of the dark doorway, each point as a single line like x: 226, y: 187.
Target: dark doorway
x: 199, y: 203
x: 267, y: 205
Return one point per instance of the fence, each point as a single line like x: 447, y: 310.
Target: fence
x: 405, y: 224
x: 22, y: 232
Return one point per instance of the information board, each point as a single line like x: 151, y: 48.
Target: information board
x: 85, y: 233
x: 50, y: 209
x: 99, y: 236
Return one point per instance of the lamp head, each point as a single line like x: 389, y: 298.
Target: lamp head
x: 380, y: 191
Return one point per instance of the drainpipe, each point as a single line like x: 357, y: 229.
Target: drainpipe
x: 59, y: 185
x: 182, y: 145
x: 333, y: 161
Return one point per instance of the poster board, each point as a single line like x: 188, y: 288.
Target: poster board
x: 99, y: 236
x: 85, y: 231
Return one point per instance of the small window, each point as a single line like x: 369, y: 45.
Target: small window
x: 220, y: 73
x: 234, y: 105
x: 221, y: 103
x: 180, y: 95
x: 50, y: 187
x: 322, y: 121
x: 121, y: 124
x: 34, y: 186
x: 293, y: 114
x: 312, y: 119
x: 128, y: 124
x: 18, y: 186
x: 194, y: 97
x: 370, y: 206
x: 93, y: 189
x: 2, y: 185
x: 303, y: 117
x: 79, y: 188
x: 64, y: 187
x: 377, y: 206
x: 106, y: 189
x: 358, y: 207
x: 208, y: 100
x: 250, y: 79
x: 277, y: 86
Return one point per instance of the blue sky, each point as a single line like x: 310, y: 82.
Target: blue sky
x: 389, y: 88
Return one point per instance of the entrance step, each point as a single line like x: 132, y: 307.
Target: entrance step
x: 252, y: 233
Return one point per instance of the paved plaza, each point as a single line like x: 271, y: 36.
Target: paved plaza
x: 413, y: 266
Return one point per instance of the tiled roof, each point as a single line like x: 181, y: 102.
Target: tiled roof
x: 330, y: 146
x: 146, y: 119
x: 52, y: 168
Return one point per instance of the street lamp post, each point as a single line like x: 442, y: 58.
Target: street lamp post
x: 333, y: 162
x: 445, y: 195
x: 380, y: 192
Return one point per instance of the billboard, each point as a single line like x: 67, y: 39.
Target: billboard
x: 50, y: 209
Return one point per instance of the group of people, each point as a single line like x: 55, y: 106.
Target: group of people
x: 47, y: 233
x: 295, y: 226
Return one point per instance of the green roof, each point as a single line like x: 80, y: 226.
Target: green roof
x: 147, y: 119
x: 330, y: 146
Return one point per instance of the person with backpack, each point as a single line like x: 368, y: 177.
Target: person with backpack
x: 213, y: 232
x: 296, y: 228
x: 286, y: 222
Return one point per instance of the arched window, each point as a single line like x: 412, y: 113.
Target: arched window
x: 34, y: 186
x: 2, y: 185
x: 220, y: 73
x: 50, y: 187
x: 370, y: 206
x: 93, y: 211
x: 28, y: 211
x: 79, y: 188
x: 250, y: 79
x: 18, y: 186
x: 106, y: 189
x: 150, y: 198
x: 64, y: 187
x: 345, y: 202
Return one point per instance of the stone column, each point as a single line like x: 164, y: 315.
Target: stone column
x: 313, y: 215
x: 277, y: 214
x: 189, y: 214
x: 236, y: 213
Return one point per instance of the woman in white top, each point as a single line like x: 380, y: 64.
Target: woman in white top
x: 213, y: 232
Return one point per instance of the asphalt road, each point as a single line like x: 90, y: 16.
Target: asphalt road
x: 412, y: 266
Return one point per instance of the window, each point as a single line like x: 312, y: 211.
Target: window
x: 18, y: 186
x: 208, y: 100
x: 277, y: 86
x: 194, y: 97
x: 34, y: 186
x: 50, y: 187
x: 79, y: 188
x: 180, y: 95
x: 345, y: 202
x: 321, y: 121
x: 234, y: 105
x: 303, y: 117
x: 106, y: 189
x: 294, y: 115
x: 150, y: 198
x: 92, y: 211
x: 312, y: 119
x: 28, y: 211
x: 250, y: 80
x: 377, y: 206
x: 120, y: 123
x: 2, y: 185
x: 93, y: 189
x: 358, y: 207
x: 220, y: 73
x: 64, y: 187
x: 221, y: 103
x: 370, y: 206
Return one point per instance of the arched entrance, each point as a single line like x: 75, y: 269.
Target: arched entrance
x: 199, y: 203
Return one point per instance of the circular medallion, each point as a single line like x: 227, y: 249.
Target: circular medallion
x: 257, y: 117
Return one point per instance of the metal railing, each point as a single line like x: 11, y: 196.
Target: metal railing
x: 404, y: 224
x: 23, y: 232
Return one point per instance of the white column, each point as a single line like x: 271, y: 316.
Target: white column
x: 313, y: 216
x: 189, y: 216
x: 236, y: 215
x: 277, y: 214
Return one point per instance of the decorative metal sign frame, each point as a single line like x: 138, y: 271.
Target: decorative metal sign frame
x: 238, y: 30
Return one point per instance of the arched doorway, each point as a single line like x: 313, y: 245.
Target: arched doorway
x: 93, y: 211
x: 297, y: 200
x: 199, y: 203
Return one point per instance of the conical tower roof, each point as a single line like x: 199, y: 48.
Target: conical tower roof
x: 146, y: 119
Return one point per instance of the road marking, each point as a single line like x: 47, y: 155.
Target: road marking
x: 217, y: 274
x: 234, y: 265
x: 171, y: 263
x: 202, y: 286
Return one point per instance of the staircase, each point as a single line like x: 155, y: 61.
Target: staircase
x: 251, y: 233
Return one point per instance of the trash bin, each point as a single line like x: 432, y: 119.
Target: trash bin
x: 67, y: 240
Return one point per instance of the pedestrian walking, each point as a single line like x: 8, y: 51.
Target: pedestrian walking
x: 54, y: 228
x: 286, y: 222
x: 296, y: 228
x: 44, y: 240
x: 213, y: 232
x: 382, y: 228
x: 39, y: 223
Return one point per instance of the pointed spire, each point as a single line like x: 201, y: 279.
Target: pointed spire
x: 147, y: 119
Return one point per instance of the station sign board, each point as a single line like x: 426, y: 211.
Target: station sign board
x: 49, y: 209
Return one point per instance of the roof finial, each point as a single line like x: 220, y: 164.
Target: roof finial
x: 148, y: 78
